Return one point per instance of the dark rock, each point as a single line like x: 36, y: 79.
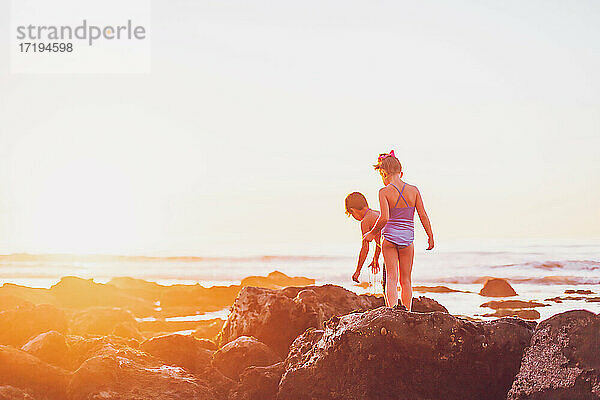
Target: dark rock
x: 49, y: 346
x: 241, y: 353
x: 100, y: 320
x: 277, y: 317
x: 563, y: 361
x: 258, y: 383
x: 17, y: 326
x: 24, y: 371
x: 181, y: 350
x: 81, y: 349
x: 497, y: 287
x: 392, y: 354
x: 579, y: 291
x: 13, y: 393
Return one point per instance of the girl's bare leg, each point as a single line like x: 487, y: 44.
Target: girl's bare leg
x: 390, y: 256
x: 405, y: 258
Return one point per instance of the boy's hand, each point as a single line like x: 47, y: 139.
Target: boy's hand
x: 431, y: 243
x: 369, y: 236
x: 356, y: 275
x: 374, y: 267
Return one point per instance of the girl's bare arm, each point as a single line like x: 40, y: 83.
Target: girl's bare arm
x: 424, y: 219
x: 384, y: 215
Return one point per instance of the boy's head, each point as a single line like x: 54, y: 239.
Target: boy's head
x: 355, y: 202
x: 388, y: 165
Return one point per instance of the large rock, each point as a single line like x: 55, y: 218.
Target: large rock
x: 17, y: 326
x: 208, y: 329
x: 277, y: 317
x: 13, y: 393
x: 497, y: 287
x: 241, y: 353
x: 24, y: 371
x: 392, y: 354
x: 11, y: 302
x: 181, y: 350
x: 49, y: 346
x: 563, y: 361
x: 276, y: 280
x: 101, y: 320
x: 258, y: 383
x: 119, y: 378
x: 81, y: 349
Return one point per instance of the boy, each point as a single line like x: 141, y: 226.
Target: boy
x: 357, y: 207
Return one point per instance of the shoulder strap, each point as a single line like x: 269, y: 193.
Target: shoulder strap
x: 399, y: 193
x: 402, y: 195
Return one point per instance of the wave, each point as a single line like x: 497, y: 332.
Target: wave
x: 581, y: 265
x: 544, y: 280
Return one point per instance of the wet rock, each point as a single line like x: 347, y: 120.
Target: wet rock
x: 497, y: 287
x: 258, y: 383
x: 420, y: 356
x: 50, y: 347
x: 241, y: 353
x: 563, y: 361
x: 277, y: 317
x: 580, y: 291
x: 181, y: 350
x: 25, y: 371
x: 13, y: 393
x: 512, y: 304
x: 100, y: 320
x: 17, y: 326
x: 81, y: 349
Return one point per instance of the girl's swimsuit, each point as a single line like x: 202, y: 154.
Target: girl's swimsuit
x: 400, y: 228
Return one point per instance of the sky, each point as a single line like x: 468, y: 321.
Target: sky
x: 258, y: 118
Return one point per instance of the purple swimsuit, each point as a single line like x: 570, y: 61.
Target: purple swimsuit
x: 400, y: 227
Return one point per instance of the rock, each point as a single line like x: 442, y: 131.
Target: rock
x: 497, y: 287
x: 563, y: 361
x: 17, y: 326
x: 424, y: 304
x: 420, y: 356
x: 8, y: 302
x: 241, y: 353
x: 81, y: 349
x: 436, y: 289
x: 80, y: 293
x: 24, y: 371
x: 512, y: 304
x: 277, y: 317
x: 209, y: 329
x: 302, y: 345
x: 181, y: 350
x: 580, y: 291
x: 100, y: 320
x: 13, y: 393
x: 258, y: 383
x: 49, y: 346
x: 118, y: 378
x: 524, y: 314
x: 127, y: 330
x: 276, y: 280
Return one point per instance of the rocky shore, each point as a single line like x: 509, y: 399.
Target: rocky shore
x: 285, y: 339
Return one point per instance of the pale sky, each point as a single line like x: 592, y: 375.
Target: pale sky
x: 259, y: 117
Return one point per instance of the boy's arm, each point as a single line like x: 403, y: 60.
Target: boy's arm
x: 364, y: 252
x: 424, y: 219
x: 384, y: 215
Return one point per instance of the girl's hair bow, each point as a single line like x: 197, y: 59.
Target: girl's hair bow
x: 384, y: 156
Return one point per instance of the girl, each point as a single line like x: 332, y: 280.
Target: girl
x: 398, y: 202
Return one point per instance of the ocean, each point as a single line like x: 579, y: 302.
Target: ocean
x: 537, y: 271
